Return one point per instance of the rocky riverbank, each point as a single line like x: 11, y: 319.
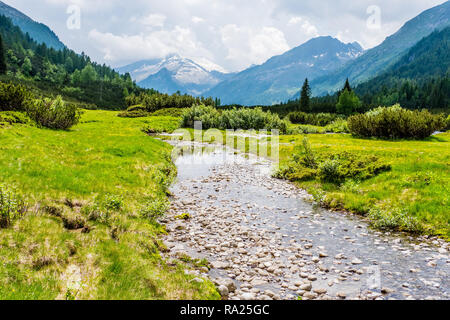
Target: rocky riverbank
x: 265, y: 240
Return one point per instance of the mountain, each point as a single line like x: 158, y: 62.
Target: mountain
x: 420, y: 79
x: 38, y: 31
x: 380, y: 58
x: 429, y: 58
x: 281, y: 76
x: 173, y: 74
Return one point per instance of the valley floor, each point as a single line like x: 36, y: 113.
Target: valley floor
x: 84, y: 236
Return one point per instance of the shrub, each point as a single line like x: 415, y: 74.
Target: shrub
x: 394, y: 219
x: 13, y: 97
x: 209, y: 117
x: 329, y: 170
x: 447, y: 123
x: 112, y: 202
x: 54, y: 114
x: 306, y: 165
x: 154, y: 209
x: 344, y: 165
x: 12, y: 206
x: 157, y: 101
x: 133, y: 114
x: 306, y: 129
x: 13, y: 117
x: 244, y: 119
x: 395, y: 123
x: 338, y: 126
x: 319, y: 119
x: 136, y: 111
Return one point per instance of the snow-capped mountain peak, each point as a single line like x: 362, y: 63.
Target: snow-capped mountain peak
x: 174, y: 73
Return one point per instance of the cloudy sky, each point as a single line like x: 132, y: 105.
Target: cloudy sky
x: 219, y: 34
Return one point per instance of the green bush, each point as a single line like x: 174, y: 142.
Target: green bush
x: 54, y: 114
x: 13, y: 97
x: 447, y: 123
x: 306, y: 165
x: 319, y: 119
x: 12, y: 206
x: 157, y: 101
x: 209, y: 117
x: 136, y: 111
x: 154, y: 209
x: 133, y: 114
x: 244, y: 119
x: 345, y: 165
x: 395, y: 123
x: 338, y: 126
x: 394, y: 219
x: 112, y: 202
x: 12, y: 117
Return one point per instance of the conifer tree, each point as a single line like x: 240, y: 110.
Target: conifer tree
x: 305, y: 97
x: 3, y: 67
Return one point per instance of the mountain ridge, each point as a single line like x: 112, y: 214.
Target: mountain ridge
x: 380, y: 58
x: 281, y: 76
x: 38, y: 31
x: 174, y: 73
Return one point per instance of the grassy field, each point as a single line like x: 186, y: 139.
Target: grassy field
x: 101, y: 175
x: 418, y: 184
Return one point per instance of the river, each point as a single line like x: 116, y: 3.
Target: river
x: 266, y: 240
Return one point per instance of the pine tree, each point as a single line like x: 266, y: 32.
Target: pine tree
x: 3, y: 67
x: 305, y: 97
x: 347, y: 86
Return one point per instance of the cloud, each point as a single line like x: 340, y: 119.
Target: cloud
x: 248, y: 46
x: 154, y: 20
x: 197, y: 20
x: 305, y: 26
x: 230, y: 33
x: 156, y: 44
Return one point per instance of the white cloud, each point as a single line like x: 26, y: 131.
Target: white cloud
x: 154, y: 20
x: 247, y: 46
x: 197, y: 19
x: 307, y: 27
x: 231, y: 33
x: 154, y: 44
x: 295, y: 20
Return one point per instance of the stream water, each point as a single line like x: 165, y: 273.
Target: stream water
x: 265, y: 239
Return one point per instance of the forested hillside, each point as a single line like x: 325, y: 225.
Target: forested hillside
x: 38, y: 31
x: 420, y: 79
x: 377, y: 60
x: 63, y: 72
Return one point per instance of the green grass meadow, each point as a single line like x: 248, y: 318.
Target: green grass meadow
x: 118, y: 257
x: 419, y: 182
